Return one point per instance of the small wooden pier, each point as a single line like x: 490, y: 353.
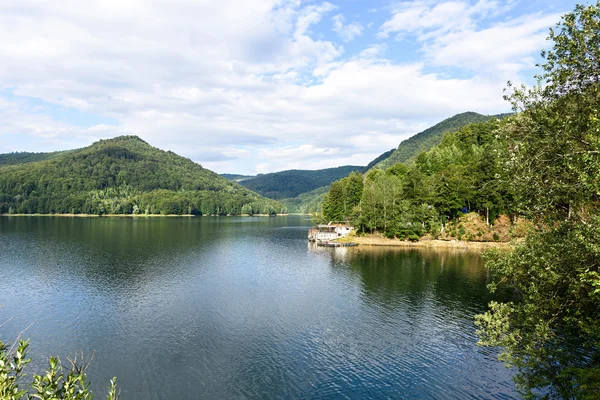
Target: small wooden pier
x: 337, y: 244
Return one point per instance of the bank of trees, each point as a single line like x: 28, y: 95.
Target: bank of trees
x: 462, y: 173
x: 124, y: 175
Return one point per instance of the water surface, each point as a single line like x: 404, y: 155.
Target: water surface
x: 189, y: 308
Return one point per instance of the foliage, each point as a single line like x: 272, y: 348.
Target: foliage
x: 289, y: 184
x: 124, y: 175
x: 551, y: 331
x: 53, y: 384
x: 342, y: 197
x: 410, y: 148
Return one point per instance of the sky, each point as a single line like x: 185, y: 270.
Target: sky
x: 258, y: 86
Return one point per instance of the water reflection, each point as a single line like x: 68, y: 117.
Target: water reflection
x: 193, y: 308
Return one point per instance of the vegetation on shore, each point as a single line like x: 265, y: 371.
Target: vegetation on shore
x: 551, y: 332
x: 124, y: 175
x: 462, y: 174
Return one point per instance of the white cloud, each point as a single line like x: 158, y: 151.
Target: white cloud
x: 243, y: 86
x: 311, y: 15
x: 507, y: 46
x: 425, y: 18
x: 346, y: 32
x: 460, y: 34
x: 374, y: 51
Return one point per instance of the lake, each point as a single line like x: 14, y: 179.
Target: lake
x: 241, y: 307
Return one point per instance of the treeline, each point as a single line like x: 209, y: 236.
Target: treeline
x: 461, y: 174
x: 124, y: 175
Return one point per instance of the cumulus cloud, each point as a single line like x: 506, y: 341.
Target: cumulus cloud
x: 506, y: 46
x: 246, y: 86
x: 426, y: 18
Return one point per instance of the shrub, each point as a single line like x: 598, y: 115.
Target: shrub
x: 55, y: 383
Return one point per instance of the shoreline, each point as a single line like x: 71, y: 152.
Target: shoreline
x: 377, y: 241
x: 137, y: 215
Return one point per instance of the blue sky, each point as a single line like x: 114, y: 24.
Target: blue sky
x: 260, y: 86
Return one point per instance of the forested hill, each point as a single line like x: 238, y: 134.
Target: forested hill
x: 409, y: 149
x: 291, y: 183
x: 463, y: 173
x: 124, y: 175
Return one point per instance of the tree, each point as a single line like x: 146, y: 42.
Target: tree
x: 551, y: 330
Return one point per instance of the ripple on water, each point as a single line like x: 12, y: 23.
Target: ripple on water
x: 243, y: 308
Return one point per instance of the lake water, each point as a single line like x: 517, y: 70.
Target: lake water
x: 189, y: 308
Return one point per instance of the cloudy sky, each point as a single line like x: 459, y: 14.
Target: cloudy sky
x: 253, y: 86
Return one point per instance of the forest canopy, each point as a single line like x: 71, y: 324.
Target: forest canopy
x: 124, y: 175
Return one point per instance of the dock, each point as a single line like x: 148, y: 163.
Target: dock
x: 337, y: 244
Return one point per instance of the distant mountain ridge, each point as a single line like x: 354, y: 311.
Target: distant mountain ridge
x: 291, y: 183
x: 124, y: 175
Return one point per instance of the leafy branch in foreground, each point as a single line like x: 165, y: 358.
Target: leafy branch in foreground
x: 58, y: 382
x: 551, y: 330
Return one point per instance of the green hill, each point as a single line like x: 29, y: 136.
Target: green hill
x: 291, y: 183
x: 123, y: 175
x: 409, y: 149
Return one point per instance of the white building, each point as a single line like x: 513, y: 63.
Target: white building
x: 331, y: 231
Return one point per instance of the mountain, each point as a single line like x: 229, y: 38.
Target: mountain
x: 291, y: 183
x: 123, y: 175
x: 409, y: 149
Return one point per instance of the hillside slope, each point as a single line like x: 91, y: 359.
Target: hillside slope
x: 409, y: 149
x: 306, y: 203
x: 123, y: 175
